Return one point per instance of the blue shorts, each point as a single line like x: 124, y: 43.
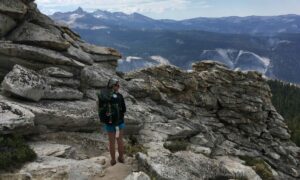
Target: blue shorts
x: 112, y: 128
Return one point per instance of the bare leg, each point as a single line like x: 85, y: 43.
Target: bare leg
x: 111, y: 137
x: 120, y: 147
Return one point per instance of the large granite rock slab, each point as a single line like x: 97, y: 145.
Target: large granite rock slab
x: 65, y: 115
x: 24, y: 83
x: 85, y: 145
x: 14, y: 8
x: 7, y: 63
x: 236, y: 167
x: 182, y: 165
x: 79, y: 55
x: 90, y: 48
x: 7, y: 24
x: 48, y: 167
x: 62, y: 93
x: 32, y: 34
x: 56, y: 72
x: 63, y: 82
x: 103, y: 58
x: 36, y: 54
x: 52, y: 149
x: 96, y: 76
x: 14, y: 118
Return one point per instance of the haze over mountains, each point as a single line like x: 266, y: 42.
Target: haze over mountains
x: 268, y: 44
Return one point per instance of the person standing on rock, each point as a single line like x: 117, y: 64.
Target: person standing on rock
x: 111, y: 108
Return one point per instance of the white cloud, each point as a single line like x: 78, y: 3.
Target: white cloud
x: 129, y: 58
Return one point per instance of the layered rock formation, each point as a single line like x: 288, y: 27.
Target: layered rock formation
x: 42, y: 60
x: 219, y: 113
x: 49, y: 80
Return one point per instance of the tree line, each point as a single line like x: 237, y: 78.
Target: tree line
x: 286, y: 99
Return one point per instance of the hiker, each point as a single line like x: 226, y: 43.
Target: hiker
x: 111, y: 106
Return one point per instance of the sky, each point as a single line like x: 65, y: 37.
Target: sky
x: 177, y: 9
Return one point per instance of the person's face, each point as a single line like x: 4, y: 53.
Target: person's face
x: 116, y: 87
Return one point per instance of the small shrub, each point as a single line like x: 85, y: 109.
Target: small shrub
x: 131, y: 150
x: 14, y: 152
x: 133, y: 147
x: 219, y: 177
x: 259, y: 166
x: 263, y: 171
x: 240, y: 176
x: 177, y: 145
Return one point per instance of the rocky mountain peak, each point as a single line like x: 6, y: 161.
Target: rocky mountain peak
x: 207, y: 123
x: 79, y: 10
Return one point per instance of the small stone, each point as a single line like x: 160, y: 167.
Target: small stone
x: 199, y: 140
x: 274, y: 155
x: 200, y: 149
x: 138, y: 176
x: 294, y: 172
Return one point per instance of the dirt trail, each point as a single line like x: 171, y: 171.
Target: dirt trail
x: 119, y: 171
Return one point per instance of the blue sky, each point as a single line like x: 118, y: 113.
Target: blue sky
x: 178, y: 9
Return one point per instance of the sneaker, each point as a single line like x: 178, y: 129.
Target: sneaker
x: 121, y: 160
x: 113, y: 162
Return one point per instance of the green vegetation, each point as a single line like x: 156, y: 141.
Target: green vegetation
x: 286, y: 99
x: 240, y: 176
x: 259, y: 166
x: 177, y: 145
x: 131, y: 150
x: 133, y: 147
x: 14, y: 152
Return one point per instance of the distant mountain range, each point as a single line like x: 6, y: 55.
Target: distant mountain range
x: 266, y: 44
x: 234, y: 25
